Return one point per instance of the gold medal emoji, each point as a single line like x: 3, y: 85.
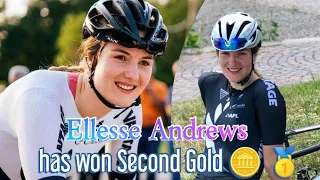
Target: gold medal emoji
x: 284, y: 167
x: 245, y: 162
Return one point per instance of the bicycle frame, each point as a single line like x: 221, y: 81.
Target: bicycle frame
x: 304, y: 173
x: 304, y: 151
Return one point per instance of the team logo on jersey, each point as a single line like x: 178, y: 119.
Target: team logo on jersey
x: 230, y: 115
x: 63, y: 130
x: 223, y: 93
x: 237, y: 106
x: 272, y: 96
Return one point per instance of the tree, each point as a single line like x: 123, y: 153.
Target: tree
x: 173, y: 13
x: 31, y: 41
x: 69, y: 39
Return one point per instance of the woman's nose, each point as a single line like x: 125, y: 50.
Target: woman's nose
x: 232, y: 60
x: 132, y: 71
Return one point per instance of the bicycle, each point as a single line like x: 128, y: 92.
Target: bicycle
x: 306, y: 173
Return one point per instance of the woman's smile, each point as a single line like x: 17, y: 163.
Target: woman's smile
x: 125, y: 87
x: 234, y: 70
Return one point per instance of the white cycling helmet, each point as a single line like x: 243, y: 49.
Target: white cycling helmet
x: 236, y: 31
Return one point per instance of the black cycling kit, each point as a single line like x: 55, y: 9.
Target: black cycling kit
x: 260, y: 106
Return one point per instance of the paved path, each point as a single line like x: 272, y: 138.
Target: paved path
x: 288, y: 62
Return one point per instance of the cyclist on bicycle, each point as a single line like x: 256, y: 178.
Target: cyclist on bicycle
x: 239, y: 95
x: 121, y: 40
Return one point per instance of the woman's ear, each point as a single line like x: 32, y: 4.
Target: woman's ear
x: 89, y: 61
x: 90, y: 58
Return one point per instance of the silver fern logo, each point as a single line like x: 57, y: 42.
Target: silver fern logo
x: 240, y: 96
x: 217, y: 113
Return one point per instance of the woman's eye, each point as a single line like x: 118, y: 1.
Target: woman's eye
x: 145, y: 63
x: 241, y: 53
x: 225, y: 53
x: 122, y: 58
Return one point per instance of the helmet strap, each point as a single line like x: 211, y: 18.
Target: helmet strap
x: 103, y: 100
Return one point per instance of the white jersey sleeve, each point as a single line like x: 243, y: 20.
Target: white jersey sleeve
x: 37, y: 128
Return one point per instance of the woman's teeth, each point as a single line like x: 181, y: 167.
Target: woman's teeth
x: 234, y: 69
x: 125, y: 87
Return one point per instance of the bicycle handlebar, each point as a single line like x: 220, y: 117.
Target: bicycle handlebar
x: 306, y: 151
x: 301, y: 130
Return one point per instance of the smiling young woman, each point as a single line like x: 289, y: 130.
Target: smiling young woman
x: 121, y: 38
x: 239, y: 96
x: 236, y: 65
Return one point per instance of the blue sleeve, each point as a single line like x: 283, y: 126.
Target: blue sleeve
x: 270, y: 112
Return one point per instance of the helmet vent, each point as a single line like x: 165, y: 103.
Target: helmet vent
x: 93, y: 12
x: 244, y: 14
x: 142, y: 4
x: 259, y: 28
x: 219, y: 24
x: 241, y: 27
x: 254, y: 36
x: 99, y: 21
x: 113, y: 8
x: 162, y: 34
x: 229, y: 29
x: 122, y: 22
x: 153, y: 18
x: 135, y: 12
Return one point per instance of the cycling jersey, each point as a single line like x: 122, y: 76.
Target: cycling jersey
x: 33, y: 113
x: 260, y: 106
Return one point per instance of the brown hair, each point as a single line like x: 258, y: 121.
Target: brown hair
x: 254, y: 50
x: 89, y: 48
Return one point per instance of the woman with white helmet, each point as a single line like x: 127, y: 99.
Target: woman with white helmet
x: 121, y: 40
x: 239, y: 96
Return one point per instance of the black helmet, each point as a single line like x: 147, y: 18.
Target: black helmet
x: 121, y: 21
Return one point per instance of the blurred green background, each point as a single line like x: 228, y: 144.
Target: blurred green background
x: 49, y: 33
